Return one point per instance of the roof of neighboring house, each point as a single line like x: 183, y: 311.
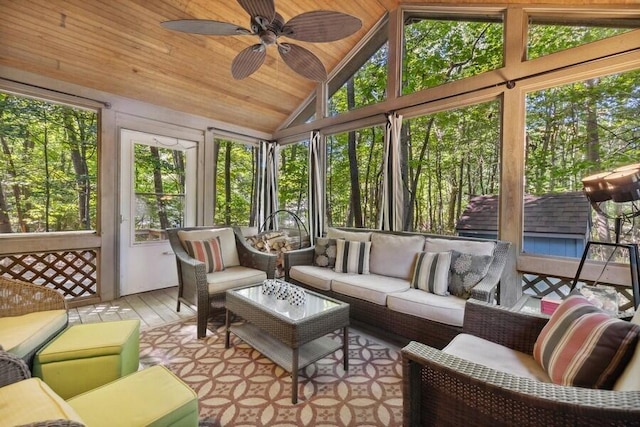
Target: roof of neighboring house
x: 562, y: 213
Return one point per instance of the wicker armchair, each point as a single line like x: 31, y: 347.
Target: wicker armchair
x: 199, y: 289
x: 444, y: 390
x: 18, y: 298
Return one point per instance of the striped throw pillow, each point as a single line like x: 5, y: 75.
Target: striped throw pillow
x: 352, y: 257
x: 431, y: 272
x: 208, y: 251
x: 583, y: 346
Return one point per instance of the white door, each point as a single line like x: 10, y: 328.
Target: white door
x: 157, y: 191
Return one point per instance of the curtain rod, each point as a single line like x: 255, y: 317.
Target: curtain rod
x: 105, y: 104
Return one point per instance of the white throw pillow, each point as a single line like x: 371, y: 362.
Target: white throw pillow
x: 394, y: 255
x: 353, y: 236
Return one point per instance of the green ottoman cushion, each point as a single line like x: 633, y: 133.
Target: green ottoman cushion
x: 87, y: 356
x: 151, y: 397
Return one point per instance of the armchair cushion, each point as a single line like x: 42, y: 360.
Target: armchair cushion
x: 233, y: 277
x: 227, y: 242
x: 208, y: 251
x: 583, y: 346
x: 30, y: 401
x: 21, y: 335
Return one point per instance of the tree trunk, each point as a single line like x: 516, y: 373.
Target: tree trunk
x: 158, y: 188
x: 79, y: 160
x: 356, y: 207
x: 227, y: 183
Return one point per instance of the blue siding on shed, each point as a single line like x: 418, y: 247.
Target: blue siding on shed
x: 563, y: 247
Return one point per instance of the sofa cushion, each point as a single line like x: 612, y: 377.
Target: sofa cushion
x: 630, y: 378
x: 465, y: 246
x: 30, y: 401
x: 431, y: 273
x: 372, y: 287
x: 325, y: 252
x: 227, y: 242
x: 21, y: 335
x: 583, y: 346
x: 354, y: 236
x: 233, y: 277
x: 466, y: 271
x: 496, y: 356
x: 443, y: 309
x: 207, y: 251
x: 352, y: 257
x: 316, y: 277
x: 394, y: 255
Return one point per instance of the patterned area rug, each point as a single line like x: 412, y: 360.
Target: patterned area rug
x: 241, y: 387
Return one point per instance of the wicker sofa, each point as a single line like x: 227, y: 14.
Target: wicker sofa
x: 444, y: 389
x: 384, y: 299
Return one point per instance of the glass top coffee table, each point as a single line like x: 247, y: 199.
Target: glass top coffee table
x: 291, y: 336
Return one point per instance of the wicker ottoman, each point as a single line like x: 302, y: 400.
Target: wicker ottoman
x: 87, y: 356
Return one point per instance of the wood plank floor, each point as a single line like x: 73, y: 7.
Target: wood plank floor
x: 153, y: 308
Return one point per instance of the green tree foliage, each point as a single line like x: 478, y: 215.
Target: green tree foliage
x: 48, y: 165
x: 235, y: 192
x: 293, y: 178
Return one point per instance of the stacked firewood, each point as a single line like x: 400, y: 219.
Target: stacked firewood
x: 273, y: 242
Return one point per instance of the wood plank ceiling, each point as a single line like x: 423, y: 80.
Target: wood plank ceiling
x: 119, y: 47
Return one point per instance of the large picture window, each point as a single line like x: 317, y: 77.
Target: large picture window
x: 48, y: 165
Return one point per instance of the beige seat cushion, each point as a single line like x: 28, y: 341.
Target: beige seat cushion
x: 20, y: 335
x: 495, y: 356
x: 227, y: 242
x: 317, y: 277
x: 438, y: 308
x: 630, y: 378
x: 233, y: 277
x: 369, y: 287
x: 393, y: 255
x: 30, y: 401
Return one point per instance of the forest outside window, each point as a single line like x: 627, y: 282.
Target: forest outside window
x: 576, y: 130
x: 548, y: 34
x: 445, y: 48
x: 48, y: 164
x: 235, y: 182
x: 354, y: 177
x: 293, y: 179
x: 450, y: 164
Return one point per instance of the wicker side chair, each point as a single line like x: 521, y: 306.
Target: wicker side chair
x: 19, y: 298
x: 201, y: 290
x: 443, y: 390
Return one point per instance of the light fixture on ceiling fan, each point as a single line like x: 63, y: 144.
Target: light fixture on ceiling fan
x: 316, y: 27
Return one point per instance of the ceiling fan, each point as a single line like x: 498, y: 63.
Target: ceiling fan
x: 316, y: 26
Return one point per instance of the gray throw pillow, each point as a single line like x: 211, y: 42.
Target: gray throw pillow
x: 466, y: 271
x: 325, y: 252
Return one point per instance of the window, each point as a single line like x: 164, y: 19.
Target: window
x: 354, y: 163
x: 48, y: 164
x: 438, y: 50
x: 235, y: 183
x: 576, y: 130
x: 549, y: 34
x: 451, y: 171
x: 293, y: 179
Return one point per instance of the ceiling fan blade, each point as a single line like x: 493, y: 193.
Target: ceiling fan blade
x: 321, y: 26
x: 205, y: 27
x: 263, y: 8
x: 302, y: 61
x: 248, y: 61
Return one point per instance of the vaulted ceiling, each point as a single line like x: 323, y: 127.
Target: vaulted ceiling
x: 119, y: 47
